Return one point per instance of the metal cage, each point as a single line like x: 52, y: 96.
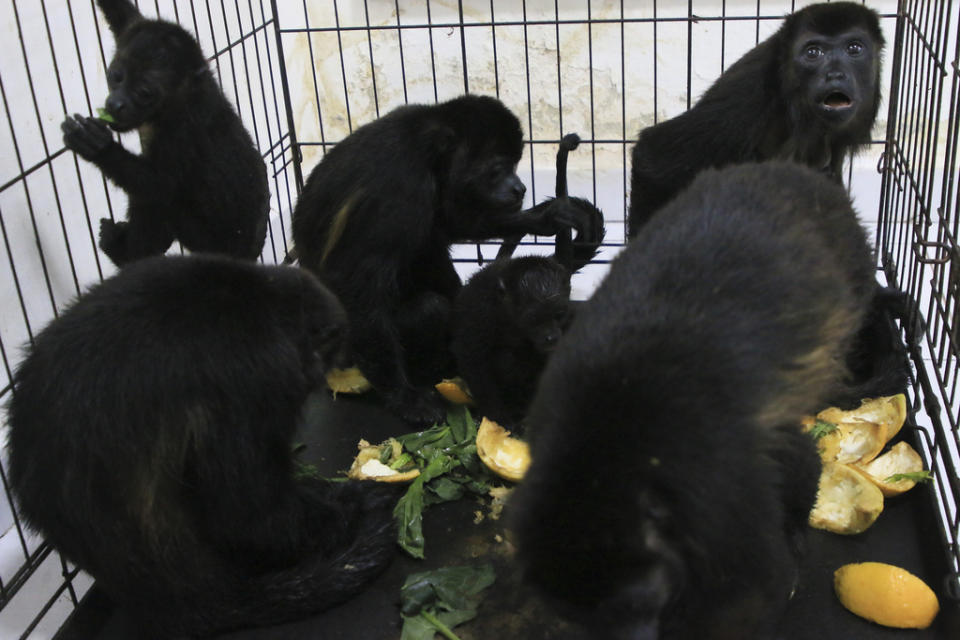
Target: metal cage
x: 303, y: 74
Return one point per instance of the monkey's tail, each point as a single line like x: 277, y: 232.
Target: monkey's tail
x: 563, y: 243
x: 586, y: 245
x: 568, y: 143
x: 320, y: 581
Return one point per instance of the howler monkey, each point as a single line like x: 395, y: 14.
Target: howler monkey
x: 376, y: 220
x: 150, y: 442
x: 199, y: 178
x: 808, y: 93
x: 510, y: 315
x: 680, y: 386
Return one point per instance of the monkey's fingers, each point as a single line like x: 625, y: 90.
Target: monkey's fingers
x: 86, y: 136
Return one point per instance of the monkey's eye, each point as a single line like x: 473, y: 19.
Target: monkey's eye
x: 812, y: 52
x: 144, y: 94
x: 854, y: 48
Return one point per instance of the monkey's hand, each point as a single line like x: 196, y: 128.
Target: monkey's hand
x: 113, y: 236
x: 88, y: 137
x: 417, y: 406
x: 545, y: 219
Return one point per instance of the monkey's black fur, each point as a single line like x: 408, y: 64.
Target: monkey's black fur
x: 681, y: 384
x: 573, y: 253
x: 809, y: 93
x: 511, y: 314
x: 506, y: 321
x: 376, y: 219
x: 150, y: 442
x: 199, y: 178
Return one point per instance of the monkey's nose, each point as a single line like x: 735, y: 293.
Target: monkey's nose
x: 116, y: 107
x: 519, y: 190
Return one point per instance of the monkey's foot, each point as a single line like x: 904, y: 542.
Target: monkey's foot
x: 417, y: 406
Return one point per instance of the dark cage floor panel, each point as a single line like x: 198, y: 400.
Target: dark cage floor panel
x: 906, y: 534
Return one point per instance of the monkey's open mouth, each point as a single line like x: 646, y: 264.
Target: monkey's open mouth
x: 837, y: 100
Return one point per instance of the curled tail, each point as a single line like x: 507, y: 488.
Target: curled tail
x: 572, y: 253
x: 319, y: 581
x: 575, y: 253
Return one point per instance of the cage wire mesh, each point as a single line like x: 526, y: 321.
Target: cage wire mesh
x: 917, y: 236
x: 304, y: 74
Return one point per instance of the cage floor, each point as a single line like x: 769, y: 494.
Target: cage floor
x: 905, y: 535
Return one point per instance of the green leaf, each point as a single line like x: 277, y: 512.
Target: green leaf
x: 821, y: 428
x: 409, y: 516
x: 436, y: 451
x: 103, y: 115
x: 416, y: 441
x: 461, y: 423
x: 477, y: 487
x: 417, y: 628
x: 404, y: 460
x: 917, y: 476
x: 302, y: 470
x: 457, y: 587
x: 450, y: 588
x: 446, y: 489
x: 409, y: 510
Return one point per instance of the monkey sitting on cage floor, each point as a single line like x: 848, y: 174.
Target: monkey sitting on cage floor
x: 509, y: 316
x: 376, y: 220
x: 684, y: 379
x: 808, y: 93
x: 199, y: 179
x: 150, y: 433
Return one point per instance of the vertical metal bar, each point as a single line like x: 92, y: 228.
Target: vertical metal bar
x: 403, y: 65
x: 623, y: 117
x: 593, y: 115
x: 689, y: 50
x: 76, y: 160
x: 463, y: 48
x: 656, y: 109
x: 16, y: 149
x: 343, y: 66
x: 496, y: 63
x: 316, y: 86
x: 373, y: 68
x: 526, y: 58
x: 297, y: 156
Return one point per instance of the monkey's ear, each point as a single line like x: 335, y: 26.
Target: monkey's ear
x: 119, y: 14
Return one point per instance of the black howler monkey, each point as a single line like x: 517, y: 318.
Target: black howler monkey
x: 376, y: 220
x: 809, y: 93
x: 680, y: 385
x: 150, y: 442
x: 199, y: 179
x: 511, y: 314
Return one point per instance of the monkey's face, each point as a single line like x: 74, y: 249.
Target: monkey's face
x: 837, y: 75
x: 535, y: 292
x: 545, y: 322
x: 500, y: 186
x: 150, y: 73
x: 487, y: 183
